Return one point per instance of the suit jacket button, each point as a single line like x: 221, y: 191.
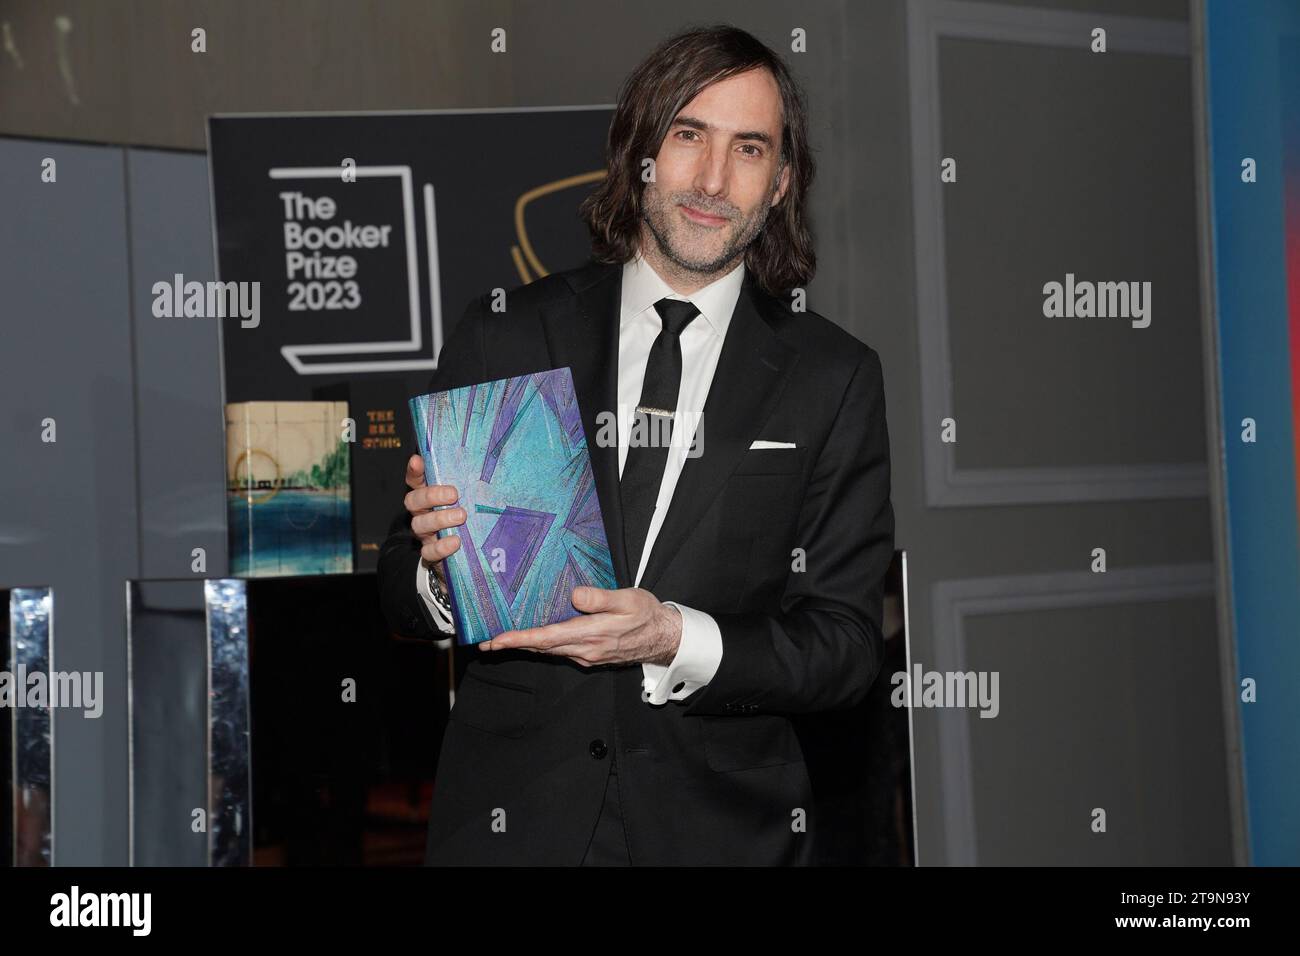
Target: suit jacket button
x: 598, y: 749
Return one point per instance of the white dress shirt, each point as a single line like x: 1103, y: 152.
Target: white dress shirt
x: 700, y: 650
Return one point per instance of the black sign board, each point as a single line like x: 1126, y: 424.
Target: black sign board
x: 369, y: 233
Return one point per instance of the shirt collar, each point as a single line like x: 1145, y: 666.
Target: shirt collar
x: 643, y: 287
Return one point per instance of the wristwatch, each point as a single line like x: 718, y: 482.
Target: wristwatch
x: 439, y: 595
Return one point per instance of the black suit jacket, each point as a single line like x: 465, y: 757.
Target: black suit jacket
x: 787, y: 549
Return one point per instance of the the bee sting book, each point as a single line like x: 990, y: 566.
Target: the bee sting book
x: 516, y: 452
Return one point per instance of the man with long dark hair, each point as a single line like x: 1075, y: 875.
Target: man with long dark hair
x: 655, y: 727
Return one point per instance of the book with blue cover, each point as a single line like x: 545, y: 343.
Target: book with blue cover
x: 516, y: 452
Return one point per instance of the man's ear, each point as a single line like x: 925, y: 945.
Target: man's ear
x: 782, y: 186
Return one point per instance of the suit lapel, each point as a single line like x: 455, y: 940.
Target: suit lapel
x: 752, y: 371
x: 582, y: 333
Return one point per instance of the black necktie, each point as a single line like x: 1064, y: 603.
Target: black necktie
x: 651, y: 428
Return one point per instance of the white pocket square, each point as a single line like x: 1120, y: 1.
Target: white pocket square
x: 770, y: 444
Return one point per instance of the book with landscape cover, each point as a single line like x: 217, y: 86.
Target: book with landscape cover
x: 516, y: 452
x: 288, y: 497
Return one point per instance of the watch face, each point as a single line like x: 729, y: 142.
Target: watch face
x: 438, y: 594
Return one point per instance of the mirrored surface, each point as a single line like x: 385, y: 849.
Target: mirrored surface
x: 229, y: 749
x: 277, y: 722
x: 347, y: 724
x: 188, y: 664
x: 26, y: 730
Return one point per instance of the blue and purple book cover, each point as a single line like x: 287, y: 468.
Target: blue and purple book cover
x: 515, y: 451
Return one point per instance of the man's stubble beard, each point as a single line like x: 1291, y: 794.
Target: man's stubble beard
x: 657, y: 212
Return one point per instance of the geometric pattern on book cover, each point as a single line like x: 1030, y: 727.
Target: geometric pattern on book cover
x: 516, y: 452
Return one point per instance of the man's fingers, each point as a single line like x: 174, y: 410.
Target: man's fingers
x: 415, y: 472
x: 552, y: 635
x: 591, y: 600
x: 436, y: 549
x: 578, y: 653
x: 431, y: 522
x: 426, y: 497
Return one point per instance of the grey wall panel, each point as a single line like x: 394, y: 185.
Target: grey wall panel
x: 1055, y: 158
x: 180, y: 437
x: 1006, y: 232
x: 1111, y: 707
x: 67, y: 508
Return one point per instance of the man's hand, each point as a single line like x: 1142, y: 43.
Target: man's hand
x: 425, y: 522
x: 627, y: 626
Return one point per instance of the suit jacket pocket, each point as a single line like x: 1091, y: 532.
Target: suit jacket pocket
x: 742, y: 743
x: 493, y: 706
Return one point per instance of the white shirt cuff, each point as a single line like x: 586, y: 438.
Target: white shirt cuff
x: 441, y: 619
x: 697, y: 660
